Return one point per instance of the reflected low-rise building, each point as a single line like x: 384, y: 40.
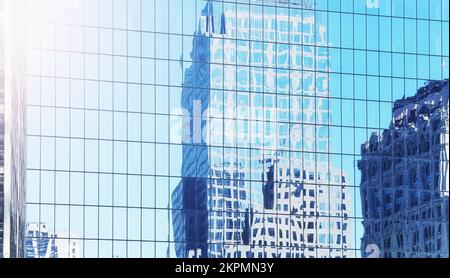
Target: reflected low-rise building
x: 306, y: 215
x: 404, y: 178
x: 42, y: 243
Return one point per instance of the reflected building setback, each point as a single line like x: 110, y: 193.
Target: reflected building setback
x: 404, y: 178
x: 257, y: 181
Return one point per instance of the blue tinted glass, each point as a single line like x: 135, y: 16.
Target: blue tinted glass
x: 195, y: 128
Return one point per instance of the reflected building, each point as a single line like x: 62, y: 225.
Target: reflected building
x: 404, y: 178
x: 211, y: 195
x: 257, y: 180
x: 41, y: 243
x: 12, y: 132
x: 306, y: 215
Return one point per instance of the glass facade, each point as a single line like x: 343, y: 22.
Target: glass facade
x: 195, y: 128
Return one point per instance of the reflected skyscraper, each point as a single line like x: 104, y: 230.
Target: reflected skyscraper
x: 256, y: 178
x: 404, y: 178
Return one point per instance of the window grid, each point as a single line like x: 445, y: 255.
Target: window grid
x: 161, y: 243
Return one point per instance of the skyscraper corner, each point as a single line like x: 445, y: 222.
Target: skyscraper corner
x: 12, y: 130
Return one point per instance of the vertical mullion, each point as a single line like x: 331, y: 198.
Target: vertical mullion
x: 70, y: 125
x: 84, y: 136
x: 154, y: 119
x: 140, y: 125
x: 113, y: 136
x: 40, y: 130
x: 169, y: 89
x: 290, y: 166
x: 54, y: 157
x: 328, y: 174
x: 127, y: 176
x: 98, y: 131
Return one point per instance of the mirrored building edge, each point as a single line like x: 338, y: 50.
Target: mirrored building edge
x: 12, y: 130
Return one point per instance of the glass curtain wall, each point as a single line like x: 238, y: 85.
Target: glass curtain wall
x: 194, y: 128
